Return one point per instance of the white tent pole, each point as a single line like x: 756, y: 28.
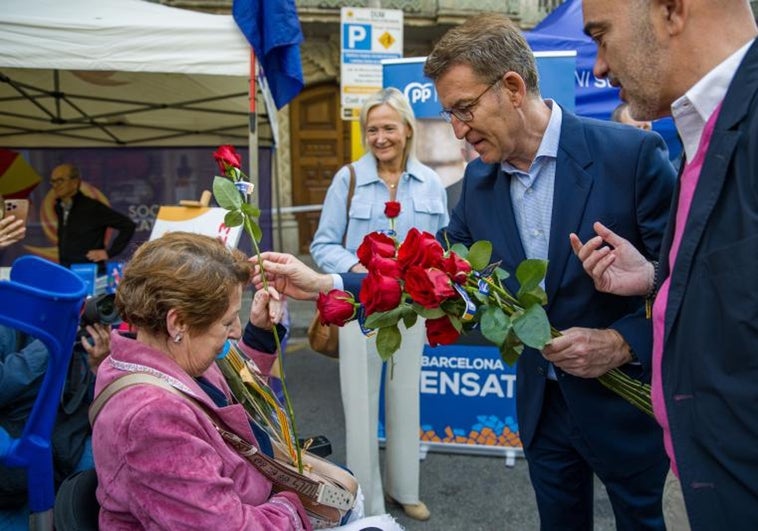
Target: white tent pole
x: 253, y: 137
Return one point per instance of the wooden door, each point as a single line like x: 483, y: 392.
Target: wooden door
x: 320, y: 146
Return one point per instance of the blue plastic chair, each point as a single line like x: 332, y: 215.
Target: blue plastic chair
x: 43, y: 300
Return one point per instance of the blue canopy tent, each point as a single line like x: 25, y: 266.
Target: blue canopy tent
x: 596, y: 98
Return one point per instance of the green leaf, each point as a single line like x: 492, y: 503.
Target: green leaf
x: 382, y: 319
x: 250, y: 210
x: 226, y: 194
x: 501, y: 274
x: 388, y: 341
x: 427, y: 313
x: 460, y: 249
x: 234, y: 218
x: 530, y: 273
x: 254, y: 229
x: 535, y: 296
x: 479, y: 255
x: 532, y: 327
x: 511, y: 349
x: 495, y: 325
x: 410, y: 318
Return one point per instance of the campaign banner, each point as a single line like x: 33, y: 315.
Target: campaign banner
x: 555, y: 70
x: 200, y: 220
x: 468, y: 399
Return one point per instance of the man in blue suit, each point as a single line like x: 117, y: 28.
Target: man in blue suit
x: 542, y: 174
x: 698, y: 61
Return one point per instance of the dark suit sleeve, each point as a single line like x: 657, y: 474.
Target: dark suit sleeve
x: 655, y: 178
x: 457, y: 230
x: 352, y: 282
x: 124, y: 226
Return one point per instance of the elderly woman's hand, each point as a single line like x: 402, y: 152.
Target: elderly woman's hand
x: 267, y: 308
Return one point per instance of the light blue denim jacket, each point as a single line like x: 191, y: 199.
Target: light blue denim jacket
x: 423, y: 204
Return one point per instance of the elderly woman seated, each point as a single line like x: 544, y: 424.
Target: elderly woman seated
x: 161, y: 460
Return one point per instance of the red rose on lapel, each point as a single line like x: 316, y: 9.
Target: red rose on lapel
x: 379, y: 293
x: 375, y: 244
x: 336, y: 307
x: 391, y: 209
x: 428, y: 287
x: 226, y: 156
x: 441, y: 331
x: 421, y: 249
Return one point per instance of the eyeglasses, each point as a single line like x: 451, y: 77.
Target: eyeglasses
x: 466, y: 113
x: 56, y: 182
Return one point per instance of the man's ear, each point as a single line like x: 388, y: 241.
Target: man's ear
x: 672, y: 14
x: 515, y: 86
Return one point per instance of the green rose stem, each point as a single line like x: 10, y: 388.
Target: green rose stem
x: 631, y: 390
x: 241, y: 213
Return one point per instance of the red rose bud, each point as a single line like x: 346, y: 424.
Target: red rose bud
x: 457, y: 268
x: 387, y: 267
x: 391, y: 209
x: 441, y: 331
x: 421, y: 249
x: 428, y: 287
x: 375, y: 244
x: 226, y: 156
x: 379, y: 293
x: 336, y: 307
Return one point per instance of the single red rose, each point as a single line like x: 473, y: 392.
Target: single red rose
x: 375, y: 244
x: 379, y: 293
x: 457, y: 268
x: 336, y: 307
x: 391, y: 209
x: 428, y: 287
x: 226, y: 156
x: 387, y: 267
x: 421, y: 249
x: 441, y: 331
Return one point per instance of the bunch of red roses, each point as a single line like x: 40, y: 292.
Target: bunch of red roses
x: 454, y: 290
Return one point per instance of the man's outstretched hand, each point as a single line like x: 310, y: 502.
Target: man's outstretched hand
x: 614, y: 264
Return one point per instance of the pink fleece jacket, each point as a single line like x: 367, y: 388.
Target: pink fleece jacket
x: 162, y: 465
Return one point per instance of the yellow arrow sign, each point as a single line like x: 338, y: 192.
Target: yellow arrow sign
x: 386, y: 39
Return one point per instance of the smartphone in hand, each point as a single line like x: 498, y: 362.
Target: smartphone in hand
x: 19, y: 208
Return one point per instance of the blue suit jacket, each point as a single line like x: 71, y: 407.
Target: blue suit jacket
x: 605, y: 172
x: 710, y: 353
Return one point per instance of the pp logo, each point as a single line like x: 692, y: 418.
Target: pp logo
x: 418, y: 92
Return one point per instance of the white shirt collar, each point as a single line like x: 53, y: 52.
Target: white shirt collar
x: 692, y: 110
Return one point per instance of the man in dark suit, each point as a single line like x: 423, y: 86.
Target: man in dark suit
x: 677, y: 57
x: 542, y: 174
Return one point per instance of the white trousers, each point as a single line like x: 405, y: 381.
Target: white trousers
x: 360, y: 373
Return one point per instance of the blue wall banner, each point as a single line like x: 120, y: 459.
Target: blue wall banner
x: 556, y: 74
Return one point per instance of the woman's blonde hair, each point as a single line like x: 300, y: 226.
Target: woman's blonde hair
x: 396, y: 100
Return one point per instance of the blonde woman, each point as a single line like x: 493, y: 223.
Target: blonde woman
x: 389, y: 171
